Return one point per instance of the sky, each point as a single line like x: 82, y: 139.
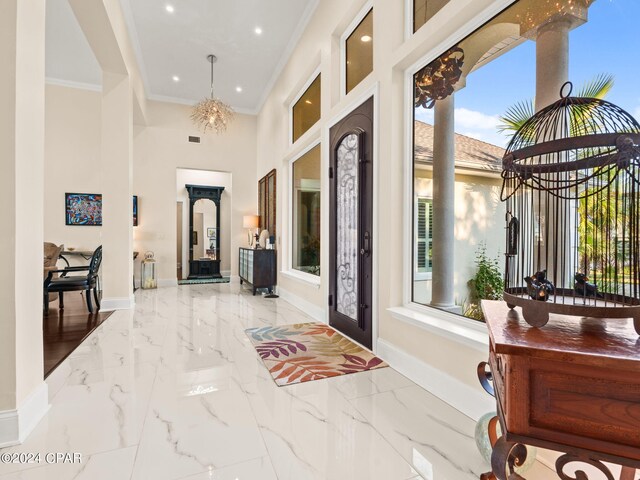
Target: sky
x: 608, y: 43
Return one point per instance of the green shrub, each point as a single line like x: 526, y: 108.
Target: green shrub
x: 487, y: 284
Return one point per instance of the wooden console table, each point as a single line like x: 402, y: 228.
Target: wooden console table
x: 258, y: 267
x: 572, y: 386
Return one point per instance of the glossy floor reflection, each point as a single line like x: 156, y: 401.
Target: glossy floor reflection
x: 175, y: 390
x: 63, y: 330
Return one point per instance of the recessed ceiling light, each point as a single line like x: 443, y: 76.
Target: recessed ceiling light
x: 258, y: 31
x: 175, y: 78
x: 238, y: 89
x: 365, y: 38
x: 169, y: 8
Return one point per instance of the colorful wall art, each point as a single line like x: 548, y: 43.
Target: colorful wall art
x: 135, y: 210
x: 83, y: 208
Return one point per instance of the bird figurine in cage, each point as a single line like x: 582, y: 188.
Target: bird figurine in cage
x: 538, y: 287
x: 571, y: 184
x: 584, y: 288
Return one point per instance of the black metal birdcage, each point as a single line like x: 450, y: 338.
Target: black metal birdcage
x: 571, y: 183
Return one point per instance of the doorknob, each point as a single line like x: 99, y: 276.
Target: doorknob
x: 366, y: 250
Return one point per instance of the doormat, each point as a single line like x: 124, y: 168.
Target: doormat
x: 309, y: 351
x: 198, y: 281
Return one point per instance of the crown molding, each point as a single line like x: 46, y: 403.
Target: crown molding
x: 59, y: 82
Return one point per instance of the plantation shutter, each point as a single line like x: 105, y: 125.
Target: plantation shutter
x: 424, y: 238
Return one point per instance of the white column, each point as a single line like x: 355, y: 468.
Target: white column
x: 23, y: 393
x: 117, y: 197
x: 442, y: 294
x: 552, y: 71
x: 552, y: 61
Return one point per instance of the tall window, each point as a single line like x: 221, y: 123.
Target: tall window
x: 473, y: 83
x: 306, y: 111
x: 423, y: 10
x: 359, y: 52
x: 306, y: 212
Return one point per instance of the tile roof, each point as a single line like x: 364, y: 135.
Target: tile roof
x: 470, y: 152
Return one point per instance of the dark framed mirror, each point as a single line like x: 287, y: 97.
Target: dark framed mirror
x: 204, y: 255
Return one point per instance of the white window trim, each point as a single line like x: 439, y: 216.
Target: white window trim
x: 364, y: 11
x: 445, y: 324
x: 408, y: 19
x: 313, y: 280
x: 454, y: 327
x: 307, y: 84
x: 290, y: 271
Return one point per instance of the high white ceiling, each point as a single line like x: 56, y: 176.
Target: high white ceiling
x: 177, y: 44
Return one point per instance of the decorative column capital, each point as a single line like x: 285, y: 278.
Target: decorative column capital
x: 553, y: 16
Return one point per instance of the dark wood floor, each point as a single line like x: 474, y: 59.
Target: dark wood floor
x: 64, y: 330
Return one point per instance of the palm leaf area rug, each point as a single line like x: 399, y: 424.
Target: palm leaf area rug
x: 309, y: 351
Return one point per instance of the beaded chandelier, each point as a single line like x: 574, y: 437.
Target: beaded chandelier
x: 212, y: 113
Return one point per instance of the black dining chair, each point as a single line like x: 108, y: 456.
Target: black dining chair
x: 70, y: 283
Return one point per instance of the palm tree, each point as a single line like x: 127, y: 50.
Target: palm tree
x: 516, y: 115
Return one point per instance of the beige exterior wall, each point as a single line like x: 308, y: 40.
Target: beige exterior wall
x: 479, y: 219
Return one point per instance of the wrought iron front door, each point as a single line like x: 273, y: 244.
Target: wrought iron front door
x: 350, y: 248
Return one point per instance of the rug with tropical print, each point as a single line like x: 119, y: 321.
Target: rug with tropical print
x: 309, y: 351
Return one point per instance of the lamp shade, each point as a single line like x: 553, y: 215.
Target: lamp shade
x: 250, y: 221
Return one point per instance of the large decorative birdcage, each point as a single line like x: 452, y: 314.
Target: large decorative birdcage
x: 571, y: 183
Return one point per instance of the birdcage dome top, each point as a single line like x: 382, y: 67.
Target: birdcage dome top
x: 570, y: 140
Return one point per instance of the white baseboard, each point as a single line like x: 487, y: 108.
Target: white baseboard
x: 16, y: 425
x: 473, y: 402
x: 117, y: 303
x: 316, y: 312
x: 162, y: 282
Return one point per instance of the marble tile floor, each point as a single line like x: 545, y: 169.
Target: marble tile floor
x: 175, y: 390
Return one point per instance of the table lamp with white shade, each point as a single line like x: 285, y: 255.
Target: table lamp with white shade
x: 251, y: 222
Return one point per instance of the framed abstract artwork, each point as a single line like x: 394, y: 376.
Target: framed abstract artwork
x: 211, y: 233
x: 83, y: 209
x: 135, y: 210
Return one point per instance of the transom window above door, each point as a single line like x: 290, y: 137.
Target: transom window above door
x: 306, y: 111
x: 423, y: 10
x: 359, y: 52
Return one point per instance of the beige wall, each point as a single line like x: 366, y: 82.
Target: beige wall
x: 160, y: 148
x: 479, y: 219
x: 72, y: 161
x: 72, y: 164
x: 22, y: 52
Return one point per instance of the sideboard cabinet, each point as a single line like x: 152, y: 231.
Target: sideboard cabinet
x: 258, y: 268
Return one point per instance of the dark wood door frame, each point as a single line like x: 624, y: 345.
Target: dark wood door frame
x: 360, y: 123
